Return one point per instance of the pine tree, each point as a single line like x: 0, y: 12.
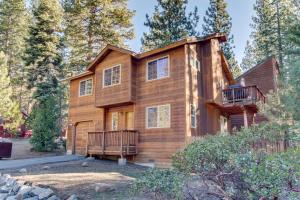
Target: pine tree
x: 43, y: 56
x: 90, y: 25
x: 249, y: 59
x: 217, y: 20
x: 14, y: 20
x: 270, y: 25
x: 169, y: 23
x: 9, y: 108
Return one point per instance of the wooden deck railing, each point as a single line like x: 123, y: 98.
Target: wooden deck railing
x: 121, y: 142
x: 242, y: 95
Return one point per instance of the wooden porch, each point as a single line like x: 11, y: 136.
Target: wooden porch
x: 113, y: 143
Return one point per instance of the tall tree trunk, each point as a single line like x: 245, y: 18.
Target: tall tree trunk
x: 279, y: 34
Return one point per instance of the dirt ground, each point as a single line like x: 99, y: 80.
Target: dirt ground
x: 71, y: 178
x: 21, y: 149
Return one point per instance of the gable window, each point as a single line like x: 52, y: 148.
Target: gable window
x: 158, y: 69
x: 193, y: 116
x: 112, y: 76
x: 85, y: 87
x: 115, y: 120
x: 158, y: 116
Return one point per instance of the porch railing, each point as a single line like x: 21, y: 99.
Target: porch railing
x: 121, y: 142
x: 242, y: 95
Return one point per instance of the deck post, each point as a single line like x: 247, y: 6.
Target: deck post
x: 103, y: 142
x: 121, y: 149
x: 245, y: 118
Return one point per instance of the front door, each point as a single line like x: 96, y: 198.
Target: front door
x: 120, y: 118
x: 129, y: 121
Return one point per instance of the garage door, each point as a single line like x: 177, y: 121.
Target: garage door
x: 82, y: 130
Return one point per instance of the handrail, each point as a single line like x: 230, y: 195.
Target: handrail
x: 121, y: 142
x: 247, y: 94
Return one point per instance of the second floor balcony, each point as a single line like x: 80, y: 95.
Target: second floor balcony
x: 239, y: 95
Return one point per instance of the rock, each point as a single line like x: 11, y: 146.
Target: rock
x: 90, y: 158
x: 42, y: 193
x: 84, y: 164
x: 3, y: 196
x: 15, y: 188
x: 23, y: 170
x: 32, y: 198
x: 73, y: 197
x: 24, y: 191
x: 199, y: 188
x: 103, y: 187
x: 45, y: 167
x: 54, y: 197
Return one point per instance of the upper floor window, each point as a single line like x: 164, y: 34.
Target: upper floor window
x: 86, y: 87
x: 193, y: 116
x: 158, y: 116
x: 112, y: 76
x: 158, y: 69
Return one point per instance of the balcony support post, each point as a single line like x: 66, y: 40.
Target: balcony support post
x: 245, y: 118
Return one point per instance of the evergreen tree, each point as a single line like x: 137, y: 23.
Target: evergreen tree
x: 14, y: 20
x: 90, y: 25
x: 43, y: 56
x: 9, y: 109
x: 43, y: 59
x: 169, y: 23
x: 248, y: 60
x: 217, y: 20
x: 270, y: 25
x: 44, y: 122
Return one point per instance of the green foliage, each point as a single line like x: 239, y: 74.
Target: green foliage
x: 43, y: 56
x: 14, y: 21
x: 217, y: 20
x: 44, y: 121
x: 169, y: 23
x: 271, y: 24
x: 9, y: 108
x: 90, y: 25
x: 161, y: 182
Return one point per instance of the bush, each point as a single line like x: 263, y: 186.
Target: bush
x: 43, y: 121
x: 162, y: 182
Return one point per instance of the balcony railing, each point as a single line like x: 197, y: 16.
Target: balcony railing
x: 242, y: 95
x: 121, y: 142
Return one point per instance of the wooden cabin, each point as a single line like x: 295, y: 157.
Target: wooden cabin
x: 264, y: 76
x: 145, y: 107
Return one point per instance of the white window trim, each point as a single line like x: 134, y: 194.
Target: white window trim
x: 167, y: 56
x: 92, y: 87
x: 103, y: 76
x: 195, y: 116
x: 112, y: 121
x: 156, y: 106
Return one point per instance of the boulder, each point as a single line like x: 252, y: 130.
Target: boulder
x: 73, y: 197
x: 42, y: 193
x: 84, y: 164
x: 103, y: 187
x: 24, y: 191
x: 3, y: 195
x: 45, y: 167
x: 54, y: 197
x: 23, y: 170
x: 199, y: 188
x: 32, y: 198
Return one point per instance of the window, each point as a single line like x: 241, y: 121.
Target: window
x: 158, y: 69
x: 112, y: 76
x: 158, y: 116
x: 115, y: 120
x: 223, y: 124
x: 193, y: 117
x: 86, y: 87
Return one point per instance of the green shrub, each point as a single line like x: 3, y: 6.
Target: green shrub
x: 161, y: 182
x: 43, y: 120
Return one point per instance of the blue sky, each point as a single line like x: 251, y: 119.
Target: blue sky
x: 241, y: 12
